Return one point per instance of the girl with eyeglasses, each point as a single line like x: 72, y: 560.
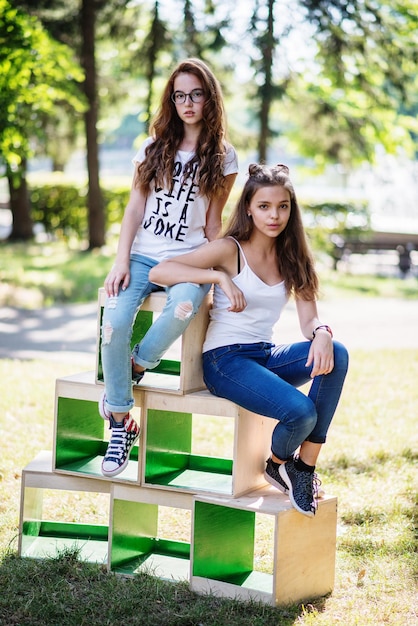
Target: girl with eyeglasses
x: 261, y: 261
x: 184, y: 173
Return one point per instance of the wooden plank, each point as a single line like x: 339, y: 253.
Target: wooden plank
x: 305, y: 553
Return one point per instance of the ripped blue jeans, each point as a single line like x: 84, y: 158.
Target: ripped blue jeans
x: 183, y: 301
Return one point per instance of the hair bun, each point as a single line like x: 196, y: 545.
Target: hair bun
x: 283, y: 169
x: 254, y: 168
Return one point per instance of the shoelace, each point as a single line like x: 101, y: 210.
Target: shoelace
x: 309, y: 489
x: 316, y: 483
x: 117, y: 444
x: 120, y: 435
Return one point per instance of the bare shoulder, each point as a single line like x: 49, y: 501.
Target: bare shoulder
x: 227, y: 254
x: 227, y: 245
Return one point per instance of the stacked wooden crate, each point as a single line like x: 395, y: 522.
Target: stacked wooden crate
x: 217, y: 498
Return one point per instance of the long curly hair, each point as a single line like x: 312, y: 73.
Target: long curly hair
x: 294, y: 257
x: 168, y: 132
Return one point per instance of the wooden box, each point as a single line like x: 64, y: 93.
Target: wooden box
x: 42, y: 537
x: 81, y: 435
x: 222, y: 558
x: 170, y: 460
x: 150, y: 530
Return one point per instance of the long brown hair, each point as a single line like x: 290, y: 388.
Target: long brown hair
x: 295, y: 259
x: 168, y: 132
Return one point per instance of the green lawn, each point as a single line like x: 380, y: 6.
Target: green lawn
x: 369, y: 462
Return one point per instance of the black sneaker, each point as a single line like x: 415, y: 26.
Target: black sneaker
x: 124, y: 435
x: 302, y: 488
x: 273, y: 477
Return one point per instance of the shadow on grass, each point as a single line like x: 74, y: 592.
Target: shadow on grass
x: 68, y: 592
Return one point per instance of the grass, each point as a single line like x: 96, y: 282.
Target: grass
x: 41, y: 274
x: 370, y: 463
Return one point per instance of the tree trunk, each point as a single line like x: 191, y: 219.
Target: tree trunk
x: 267, y: 89
x: 264, y: 136
x: 22, y: 224
x: 96, y: 213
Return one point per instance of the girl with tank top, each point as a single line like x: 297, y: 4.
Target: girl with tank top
x: 263, y: 260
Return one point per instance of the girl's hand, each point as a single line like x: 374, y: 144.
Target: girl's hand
x: 232, y: 292
x: 321, y: 354
x: 118, y: 278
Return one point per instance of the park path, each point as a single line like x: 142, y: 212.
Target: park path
x: 68, y: 332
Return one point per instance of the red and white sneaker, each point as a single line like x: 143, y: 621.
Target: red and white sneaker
x: 124, y: 435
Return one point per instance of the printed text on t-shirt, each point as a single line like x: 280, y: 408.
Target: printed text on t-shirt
x: 169, y: 218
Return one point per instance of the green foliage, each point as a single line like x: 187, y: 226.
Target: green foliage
x: 365, y: 76
x: 62, y: 208
x: 115, y: 200
x: 328, y: 221
x: 36, y: 74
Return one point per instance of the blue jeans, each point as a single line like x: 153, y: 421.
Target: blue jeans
x: 117, y: 326
x: 263, y: 378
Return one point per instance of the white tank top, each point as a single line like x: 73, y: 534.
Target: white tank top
x: 255, y: 323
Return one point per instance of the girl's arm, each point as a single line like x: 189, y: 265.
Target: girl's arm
x: 321, y: 353
x: 119, y: 275
x: 214, y: 262
x: 215, y: 208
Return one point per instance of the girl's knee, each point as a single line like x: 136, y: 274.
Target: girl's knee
x: 115, y: 330
x: 183, y: 310
x: 341, y: 357
x: 183, y: 301
x: 304, y: 415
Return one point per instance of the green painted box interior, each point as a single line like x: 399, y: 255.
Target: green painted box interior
x: 224, y: 544
x: 136, y: 545
x: 45, y: 539
x: 80, y: 443
x: 143, y: 321
x: 169, y: 459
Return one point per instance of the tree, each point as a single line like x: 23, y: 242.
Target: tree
x: 96, y: 214
x: 36, y: 75
x: 156, y: 40
x: 358, y: 74
x: 71, y: 23
x: 366, y: 66
x: 265, y: 42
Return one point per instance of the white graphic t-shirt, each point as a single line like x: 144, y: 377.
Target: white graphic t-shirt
x: 174, y: 221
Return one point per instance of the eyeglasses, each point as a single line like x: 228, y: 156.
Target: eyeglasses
x: 196, y: 96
